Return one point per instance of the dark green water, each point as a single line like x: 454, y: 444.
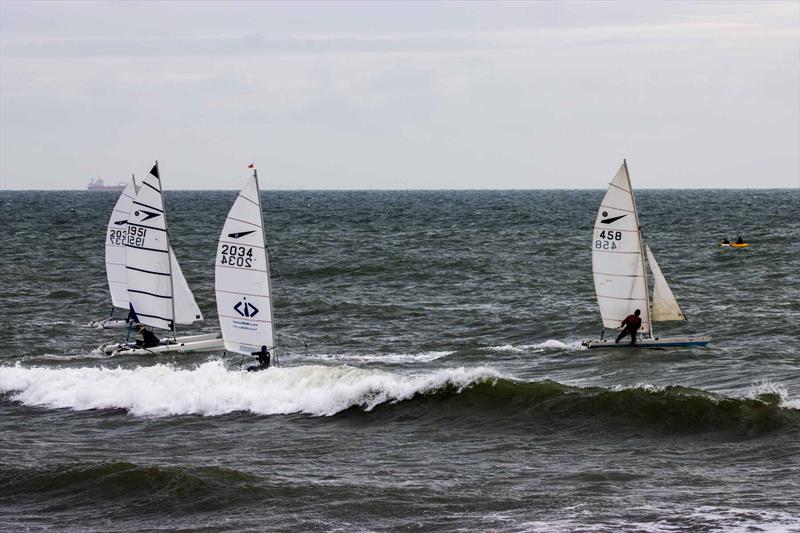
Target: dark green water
x: 431, y: 378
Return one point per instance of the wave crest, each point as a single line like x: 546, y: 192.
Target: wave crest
x: 480, y: 395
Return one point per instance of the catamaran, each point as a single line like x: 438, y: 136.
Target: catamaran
x: 620, y: 276
x: 242, y: 282
x: 115, y: 257
x: 158, y: 295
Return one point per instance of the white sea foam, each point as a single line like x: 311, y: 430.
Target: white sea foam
x: 389, y: 358
x: 768, y: 387
x: 550, y: 344
x: 97, y: 353
x: 211, y: 389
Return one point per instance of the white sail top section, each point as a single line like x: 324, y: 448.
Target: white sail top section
x: 152, y: 271
x: 244, y: 296
x: 617, y: 261
x: 665, y: 306
x: 115, y: 247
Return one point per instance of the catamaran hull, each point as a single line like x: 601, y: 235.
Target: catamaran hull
x: 194, y: 343
x: 658, y: 342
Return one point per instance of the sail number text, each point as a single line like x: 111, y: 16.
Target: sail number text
x: 117, y: 236
x: 241, y: 256
x: 136, y: 236
x: 607, y: 240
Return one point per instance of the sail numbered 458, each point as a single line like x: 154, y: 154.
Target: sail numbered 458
x: 617, y: 261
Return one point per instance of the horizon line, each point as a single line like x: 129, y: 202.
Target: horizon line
x: 436, y: 189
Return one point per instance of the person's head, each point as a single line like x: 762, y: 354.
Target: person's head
x: 637, y: 312
x: 263, y: 349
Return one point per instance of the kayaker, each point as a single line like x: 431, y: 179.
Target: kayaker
x: 629, y: 326
x: 739, y: 240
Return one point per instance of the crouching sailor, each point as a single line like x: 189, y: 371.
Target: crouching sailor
x: 263, y: 360
x: 149, y: 338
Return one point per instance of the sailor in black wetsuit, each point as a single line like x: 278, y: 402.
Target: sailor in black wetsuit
x: 263, y: 360
x: 149, y: 337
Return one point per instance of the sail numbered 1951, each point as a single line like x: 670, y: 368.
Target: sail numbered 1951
x: 617, y: 261
x: 158, y: 293
x: 244, y: 298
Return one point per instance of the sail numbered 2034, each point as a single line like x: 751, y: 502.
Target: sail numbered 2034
x: 244, y: 299
x: 116, y: 234
x: 617, y: 261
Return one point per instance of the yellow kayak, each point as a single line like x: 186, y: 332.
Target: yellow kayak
x: 735, y: 244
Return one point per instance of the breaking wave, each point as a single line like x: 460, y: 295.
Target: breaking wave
x: 479, y: 394
x: 211, y: 389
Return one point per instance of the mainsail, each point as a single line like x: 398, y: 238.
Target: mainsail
x: 665, y: 306
x: 244, y: 296
x: 157, y: 290
x: 115, y: 246
x: 620, y: 280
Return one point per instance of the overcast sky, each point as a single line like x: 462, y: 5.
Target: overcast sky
x: 407, y: 95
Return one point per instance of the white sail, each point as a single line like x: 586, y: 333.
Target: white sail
x: 186, y: 308
x: 617, y: 262
x: 115, y: 247
x: 244, y: 298
x: 665, y: 306
x: 152, y: 272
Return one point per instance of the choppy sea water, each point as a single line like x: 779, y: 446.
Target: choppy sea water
x: 431, y: 371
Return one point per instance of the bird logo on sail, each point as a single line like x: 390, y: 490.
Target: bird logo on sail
x: 239, y: 234
x: 245, y: 308
x: 612, y: 219
x: 147, y: 214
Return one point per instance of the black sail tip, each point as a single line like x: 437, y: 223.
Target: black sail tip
x: 154, y: 171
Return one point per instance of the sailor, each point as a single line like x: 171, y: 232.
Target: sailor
x: 629, y: 326
x: 739, y: 240
x: 149, y: 337
x: 726, y: 241
x: 263, y: 360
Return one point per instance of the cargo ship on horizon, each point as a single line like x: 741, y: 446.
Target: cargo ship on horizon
x: 98, y: 185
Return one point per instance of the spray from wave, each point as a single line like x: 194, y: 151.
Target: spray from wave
x: 211, y: 389
x: 481, y: 395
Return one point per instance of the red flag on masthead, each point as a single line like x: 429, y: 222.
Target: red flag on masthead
x: 251, y: 165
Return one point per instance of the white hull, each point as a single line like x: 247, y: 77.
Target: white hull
x: 657, y: 342
x: 109, y: 323
x: 194, y: 343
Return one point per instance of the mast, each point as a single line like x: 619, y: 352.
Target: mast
x: 641, y: 249
x: 266, y: 256
x: 169, y: 253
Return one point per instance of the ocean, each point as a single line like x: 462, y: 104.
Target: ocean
x: 431, y: 371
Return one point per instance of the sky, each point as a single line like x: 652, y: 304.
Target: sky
x: 405, y: 95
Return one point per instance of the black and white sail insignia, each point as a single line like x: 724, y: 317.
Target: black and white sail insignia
x: 239, y: 234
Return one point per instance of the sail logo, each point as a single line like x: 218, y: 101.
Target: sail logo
x: 121, y: 222
x: 239, y: 234
x: 612, y: 219
x: 245, y: 308
x: 147, y: 214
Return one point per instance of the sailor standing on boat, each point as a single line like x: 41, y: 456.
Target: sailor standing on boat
x: 629, y: 326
